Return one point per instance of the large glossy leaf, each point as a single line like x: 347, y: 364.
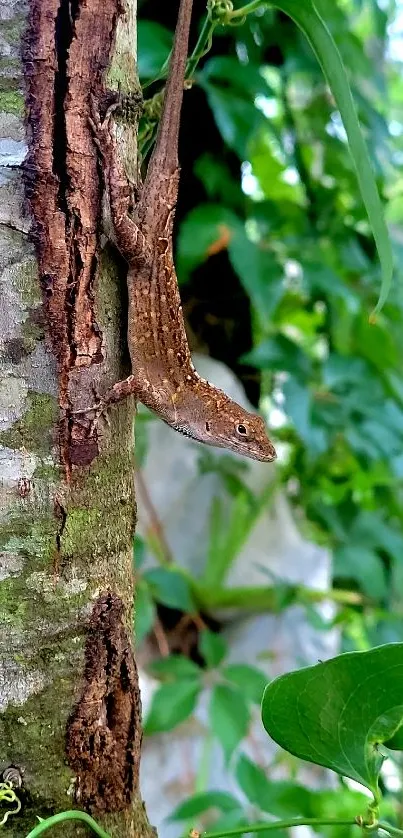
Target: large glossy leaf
x: 314, y: 28
x: 260, y: 274
x: 145, y: 611
x: 338, y: 713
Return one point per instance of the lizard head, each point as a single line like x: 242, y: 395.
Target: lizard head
x: 223, y: 423
x: 240, y: 431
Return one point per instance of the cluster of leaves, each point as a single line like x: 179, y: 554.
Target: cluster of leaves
x: 316, y: 713
x: 297, y: 237
x: 234, y: 692
x: 301, y: 247
x: 236, y: 687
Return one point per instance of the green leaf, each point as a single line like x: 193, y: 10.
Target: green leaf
x: 307, y: 18
x: 201, y: 231
x: 231, y: 88
x: 343, y: 803
x: 218, y: 180
x: 236, y: 119
x: 139, y: 550
x: 175, y: 667
x: 212, y: 647
x: 362, y: 564
x: 246, y: 79
x: 170, y: 588
x: 231, y: 820
x: 265, y: 156
x: 280, y: 354
x: 282, y: 799
x: 337, y: 713
x: 260, y: 274
x: 229, y: 718
x: 171, y: 704
x: 373, y: 529
x: 396, y: 742
x: 154, y: 45
x: 202, y: 802
x: 298, y: 405
x: 145, y: 611
x: 228, y: 532
x: 251, y: 681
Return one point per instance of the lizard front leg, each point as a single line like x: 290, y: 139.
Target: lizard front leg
x: 121, y: 390
x: 129, y: 238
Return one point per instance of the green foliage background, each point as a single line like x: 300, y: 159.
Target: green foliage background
x: 276, y: 198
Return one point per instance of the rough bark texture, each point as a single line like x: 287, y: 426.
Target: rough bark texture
x: 69, y: 702
x: 106, y: 755
x: 67, y: 48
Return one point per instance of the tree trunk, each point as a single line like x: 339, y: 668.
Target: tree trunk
x: 69, y: 699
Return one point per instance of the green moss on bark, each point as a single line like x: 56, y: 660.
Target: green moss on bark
x: 11, y: 102
x: 100, y: 519
x: 34, y: 431
x: 37, y: 729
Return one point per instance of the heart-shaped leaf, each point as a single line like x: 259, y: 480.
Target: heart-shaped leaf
x: 337, y: 713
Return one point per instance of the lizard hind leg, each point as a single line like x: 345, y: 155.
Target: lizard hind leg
x: 121, y: 390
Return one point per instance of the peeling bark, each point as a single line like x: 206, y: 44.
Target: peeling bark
x: 67, y: 49
x: 103, y: 732
x: 69, y: 699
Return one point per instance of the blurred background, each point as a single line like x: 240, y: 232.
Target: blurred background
x: 247, y: 570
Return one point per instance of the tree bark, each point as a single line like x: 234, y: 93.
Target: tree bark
x: 69, y: 699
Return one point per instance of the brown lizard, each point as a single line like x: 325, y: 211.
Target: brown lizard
x: 164, y: 378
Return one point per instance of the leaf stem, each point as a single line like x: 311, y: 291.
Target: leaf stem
x: 272, y: 825
x: 73, y: 815
x: 263, y: 827
x: 202, y: 46
x: 392, y: 830
x: 250, y: 7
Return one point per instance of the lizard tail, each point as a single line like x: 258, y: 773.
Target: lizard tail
x: 165, y: 154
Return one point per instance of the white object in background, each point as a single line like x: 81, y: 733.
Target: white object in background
x: 182, y: 498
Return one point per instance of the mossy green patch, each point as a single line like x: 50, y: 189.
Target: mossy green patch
x: 33, y: 735
x: 99, y: 525
x: 32, y: 332
x: 29, y: 536
x: 14, y: 531
x: 49, y: 472
x: 35, y: 428
x: 13, y: 609
x: 36, y: 591
x: 11, y: 101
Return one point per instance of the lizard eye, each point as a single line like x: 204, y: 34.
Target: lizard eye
x: 207, y: 426
x: 241, y: 430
